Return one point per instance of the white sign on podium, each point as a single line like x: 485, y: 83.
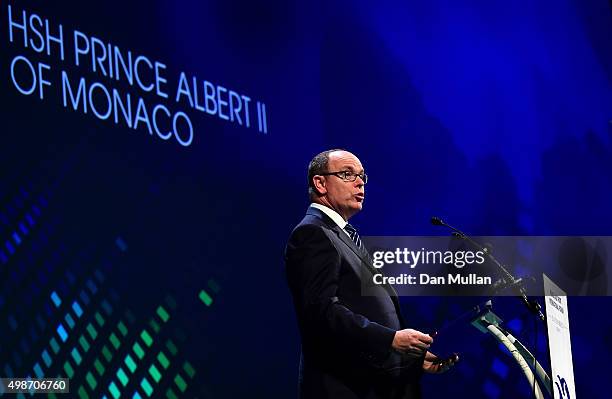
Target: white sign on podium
x: 559, y: 342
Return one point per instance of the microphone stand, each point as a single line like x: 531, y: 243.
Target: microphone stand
x: 533, y: 306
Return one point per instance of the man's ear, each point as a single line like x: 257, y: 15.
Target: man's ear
x: 319, y: 184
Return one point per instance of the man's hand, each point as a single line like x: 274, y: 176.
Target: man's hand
x: 434, y: 365
x: 411, y: 341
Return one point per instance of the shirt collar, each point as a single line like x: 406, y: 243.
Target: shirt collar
x: 333, y: 215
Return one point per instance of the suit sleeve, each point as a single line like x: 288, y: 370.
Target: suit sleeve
x: 313, y: 269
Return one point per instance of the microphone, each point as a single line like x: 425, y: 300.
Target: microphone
x: 508, y: 278
x: 436, y: 221
x: 502, y: 284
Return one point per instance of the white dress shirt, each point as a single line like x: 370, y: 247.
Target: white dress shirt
x: 333, y: 215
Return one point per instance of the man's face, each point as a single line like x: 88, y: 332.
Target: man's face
x: 344, y: 197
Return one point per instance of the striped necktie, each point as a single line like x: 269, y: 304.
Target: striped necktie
x: 352, y: 232
x: 355, y: 238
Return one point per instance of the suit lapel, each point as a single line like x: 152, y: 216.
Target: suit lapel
x: 365, y: 259
x: 342, y: 235
x: 347, y: 240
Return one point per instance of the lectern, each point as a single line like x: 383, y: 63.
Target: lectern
x: 490, y: 323
x: 559, y: 344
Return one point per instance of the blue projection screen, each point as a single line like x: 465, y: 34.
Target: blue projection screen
x: 154, y: 158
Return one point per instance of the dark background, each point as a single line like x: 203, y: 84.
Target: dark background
x: 493, y: 115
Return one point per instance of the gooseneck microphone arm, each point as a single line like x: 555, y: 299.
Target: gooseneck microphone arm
x: 532, y: 305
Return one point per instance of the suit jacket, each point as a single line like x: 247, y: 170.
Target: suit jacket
x: 346, y: 336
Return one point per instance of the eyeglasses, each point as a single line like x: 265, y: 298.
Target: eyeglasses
x: 348, y: 176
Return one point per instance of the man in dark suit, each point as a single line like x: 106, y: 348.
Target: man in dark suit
x: 353, y: 346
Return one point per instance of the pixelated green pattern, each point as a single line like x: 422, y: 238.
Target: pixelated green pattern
x: 148, y: 365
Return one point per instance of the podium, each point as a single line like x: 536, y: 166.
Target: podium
x: 488, y: 322
x: 559, y: 344
x: 557, y: 321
